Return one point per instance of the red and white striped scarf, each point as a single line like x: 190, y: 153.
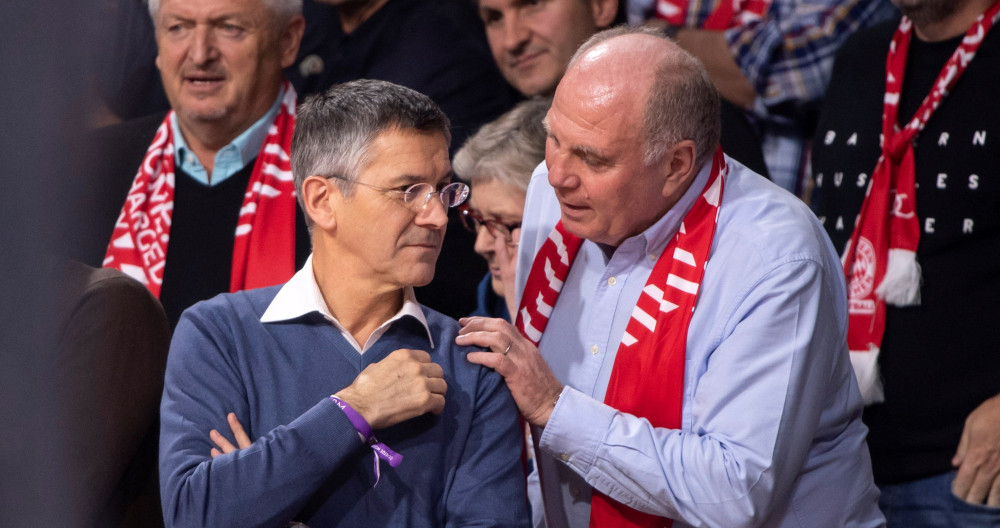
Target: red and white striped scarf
x: 264, y: 244
x: 727, y: 14
x: 880, y: 260
x: 655, y: 338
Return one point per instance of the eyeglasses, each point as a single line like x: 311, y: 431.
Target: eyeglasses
x: 472, y: 221
x: 418, y: 195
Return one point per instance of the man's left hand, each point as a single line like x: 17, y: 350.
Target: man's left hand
x: 242, y: 440
x: 978, y: 456
x: 529, y: 378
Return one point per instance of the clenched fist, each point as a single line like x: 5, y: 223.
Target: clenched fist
x: 404, y: 385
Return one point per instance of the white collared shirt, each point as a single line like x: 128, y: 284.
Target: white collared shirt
x: 301, y: 295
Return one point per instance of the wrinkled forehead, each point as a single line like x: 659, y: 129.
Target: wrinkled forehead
x: 603, y: 87
x: 400, y: 157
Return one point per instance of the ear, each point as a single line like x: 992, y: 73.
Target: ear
x: 290, y: 39
x: 679, y: 162
x: 321, y: 197
x: 603, y: 12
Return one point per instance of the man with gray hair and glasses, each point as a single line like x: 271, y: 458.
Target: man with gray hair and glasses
x: 316, y: 369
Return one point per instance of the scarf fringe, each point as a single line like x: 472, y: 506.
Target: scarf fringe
x: 901, y: 284
x: 865, y: 363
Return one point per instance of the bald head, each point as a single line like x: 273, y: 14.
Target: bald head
x: 631, y: 124
x: 677, y: 98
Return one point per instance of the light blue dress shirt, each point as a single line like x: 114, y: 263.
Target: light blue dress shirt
x: 229, y: 159
x: 771, y: 429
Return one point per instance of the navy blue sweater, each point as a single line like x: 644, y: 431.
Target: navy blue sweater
x: 460, y: 468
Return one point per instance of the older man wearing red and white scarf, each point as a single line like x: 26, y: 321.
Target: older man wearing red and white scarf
x: 212, y: 205
x: 680, y: 347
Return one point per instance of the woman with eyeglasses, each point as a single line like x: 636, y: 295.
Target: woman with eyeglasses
x: 498, y: 161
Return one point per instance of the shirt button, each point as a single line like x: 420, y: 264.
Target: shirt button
x: 612, y: 281
x: 574, y: 491
x: 564, y: 457
x: 652, y: 257
x: 594, y: 350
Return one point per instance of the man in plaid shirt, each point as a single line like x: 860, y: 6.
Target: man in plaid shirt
x: 771, y: 57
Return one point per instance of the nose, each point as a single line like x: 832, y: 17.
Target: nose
x: 515, y: 33
x: 203, y: 49
x: 433, y: 214
x: 561, y: 175
x: 484, y: 242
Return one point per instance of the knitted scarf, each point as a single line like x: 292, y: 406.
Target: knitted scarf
x: 880, y: 261
x: 264, y: 243
x: 655, y: 338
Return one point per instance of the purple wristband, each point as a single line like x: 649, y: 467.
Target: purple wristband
x: 364, y: 430
x: 358, y: 421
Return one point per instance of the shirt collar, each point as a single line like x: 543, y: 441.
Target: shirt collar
x: 229, y: 159
x: 301, y: 295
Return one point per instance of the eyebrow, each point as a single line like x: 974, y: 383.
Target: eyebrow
x: 588, y: 153
x: 216, y: 19
x: 410, y: 179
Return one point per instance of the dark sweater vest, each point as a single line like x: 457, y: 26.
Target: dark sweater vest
x: 941, y: 359
x: 202, y: 230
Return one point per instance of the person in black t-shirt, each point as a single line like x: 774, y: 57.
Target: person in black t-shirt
x: 935, y: 429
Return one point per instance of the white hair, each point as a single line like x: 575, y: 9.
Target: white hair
x: 507, y: 149
x: 283, y: 9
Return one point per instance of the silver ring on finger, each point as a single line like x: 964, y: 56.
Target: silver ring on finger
x: 507, y: 350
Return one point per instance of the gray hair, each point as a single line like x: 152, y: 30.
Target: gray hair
x: 283, y: 9
x: 334, y: 130
x: 507, y: 149
x: 682, y: 102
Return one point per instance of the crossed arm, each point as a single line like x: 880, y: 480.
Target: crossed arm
x: 267, y: 482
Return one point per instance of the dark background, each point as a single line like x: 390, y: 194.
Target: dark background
x: 46, y: 62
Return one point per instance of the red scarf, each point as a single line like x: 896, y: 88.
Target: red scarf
x: 655, y: 338
x: 264, y: 244
x: 727, y: 14
x: 880, y: 259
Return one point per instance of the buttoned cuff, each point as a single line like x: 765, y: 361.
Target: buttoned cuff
x: 576, y: 429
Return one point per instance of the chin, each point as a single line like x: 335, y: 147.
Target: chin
x: 591, y: 233
x: 532, y: 87
x: 207, y: 114
x: 420, y: 275
x: 497, y: 286
x: 580, y: 229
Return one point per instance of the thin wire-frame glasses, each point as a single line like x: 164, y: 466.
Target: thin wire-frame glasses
x: 451, y: 195
x: 471, y: 220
